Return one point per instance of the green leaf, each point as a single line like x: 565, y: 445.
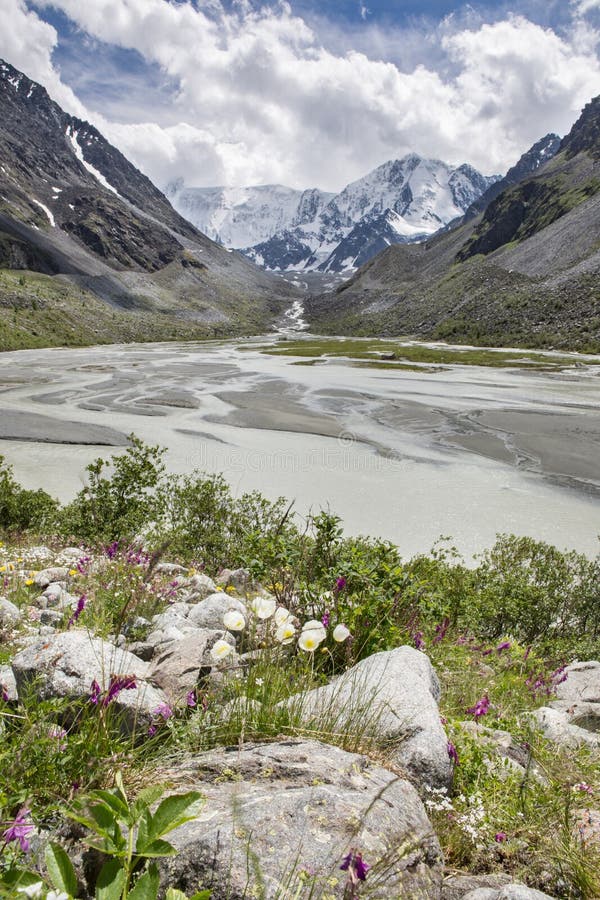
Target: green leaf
x: 174, y: 894
x: 174, y: 811
x: 201, y: 895
x: 146, y: 887
x: 113, y: 800
x: 111, y: 881
x: 146, y: 798
x: 155, y: 849
x: 60, y: 869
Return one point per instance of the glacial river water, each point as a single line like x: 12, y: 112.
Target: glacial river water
x: 465, y: 452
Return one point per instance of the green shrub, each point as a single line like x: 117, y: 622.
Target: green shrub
x: 22, y: 510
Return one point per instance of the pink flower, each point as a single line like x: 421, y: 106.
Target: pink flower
x: 500, y: 837
x: 191, y: 698
x: 19, y: 830
x: 480, y: 708
x: 453, y: 753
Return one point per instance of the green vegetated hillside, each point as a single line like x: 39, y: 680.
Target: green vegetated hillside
x: 74, y: 210
x: 526, y: 271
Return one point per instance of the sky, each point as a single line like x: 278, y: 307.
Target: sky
x: 310, y: 93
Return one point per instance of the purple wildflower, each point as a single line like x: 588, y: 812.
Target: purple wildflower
x: 19, y: 830
x: 95, y: 692
x: 453, y: 753
x: 152, y: 730
x: 4, y: 693
x: 82, y: 564
x: 487, y: 652
x: 325, y: 619
x: 440, y: 630
x: 58, y: 734
x: 480, y: 708
x: 583, y: 786
x: 191, y: 698
x: 163, y: 710
x: 500, y: 837
x: 527, y: 652
x: 355, y: 866
x: 418, y: 639
x: 505, y: 645
x: 78, y: 610
x: 340, y: 584
x: 117, y: 684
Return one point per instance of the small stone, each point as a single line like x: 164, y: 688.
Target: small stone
x: 10, y: 614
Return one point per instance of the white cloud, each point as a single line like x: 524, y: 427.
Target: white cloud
x: 585, y: 6
x: 260, y: 99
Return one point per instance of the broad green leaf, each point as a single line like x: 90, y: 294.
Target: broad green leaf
x: 174, y: 811
x: 155, y: 848
x: 60, y: 869
x: 174, y: 894
x: 201, y: 895
x: 113, y: 800
x: 146, y: 798
x: 111, y: 881
x: 146, y: 887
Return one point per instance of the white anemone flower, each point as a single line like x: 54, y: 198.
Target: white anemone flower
x: 285, y: 633
x: 340, y: 633
x: 220, y: 650
x: 282, y: 615
x: 309, y: 640
x: 315, y: 625
x: 234, y: 620
x: 263, y: 607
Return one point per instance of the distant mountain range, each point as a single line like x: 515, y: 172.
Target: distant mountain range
x: 282, y: 229
x: 71, y: 205
x: 523, y: 269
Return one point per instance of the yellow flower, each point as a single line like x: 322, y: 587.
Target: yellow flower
x: 191, y: 571
x: 230, y: 589
x: 2, y: 568
x: 219, y: 588
x: 29, y: 582
x: 72, y: 571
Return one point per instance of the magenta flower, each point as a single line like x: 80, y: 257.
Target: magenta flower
x: 480, y: 708
x: 453, y: 753
x: 163, y: 710
x: 500, y: 837
x: 505, y: 645
x: 117, y: 684
x: 191, y: 698
x: 19, y: 830
x: 95, y: 692
x: 58, y: 734
x: 152, y: 730
x: 340, y: 584
x: 418, y: 639
x: 325, y: 619
x: 440, y: 630
x: 111, y: 550
x: 355, y: 866
x: 4, y: 693
x: 78, y: 610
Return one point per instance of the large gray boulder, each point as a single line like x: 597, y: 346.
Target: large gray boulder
x: 394, y: 695
x: 512, y: 891
x: 10, y: 614
x: 210, y: 611
x: 573, y: 718
x: 181, y: 664
x: 51, y: 576
x: 280, y: 818
x: 66, y: 665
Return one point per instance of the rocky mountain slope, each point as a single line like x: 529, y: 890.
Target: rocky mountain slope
x: 73, y: 206
x: 279, y: 228
x: 526, y: 270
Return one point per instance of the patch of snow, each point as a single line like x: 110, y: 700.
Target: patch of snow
x: 72, y: 135
x: 46, y: 210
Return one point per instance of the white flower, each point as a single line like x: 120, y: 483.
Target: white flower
x: 264, y: 607
x: 220, y: 650
x: 32, y: 890
x: 340, y: 633
x: 310, y: 640
x: 285, y: 633
x: 314, y: 625
x: 57, y: 895
x: 282, y: 615
x: 234, y: 621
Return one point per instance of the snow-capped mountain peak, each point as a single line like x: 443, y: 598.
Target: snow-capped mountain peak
x: 282, y: 228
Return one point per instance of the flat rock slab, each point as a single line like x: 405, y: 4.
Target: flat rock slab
x: 16, y: 425
x: 394, y: 694
x: 181, y: 664
x: 508, y: 892
x: 281, y: 817
x: 66, y: 664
